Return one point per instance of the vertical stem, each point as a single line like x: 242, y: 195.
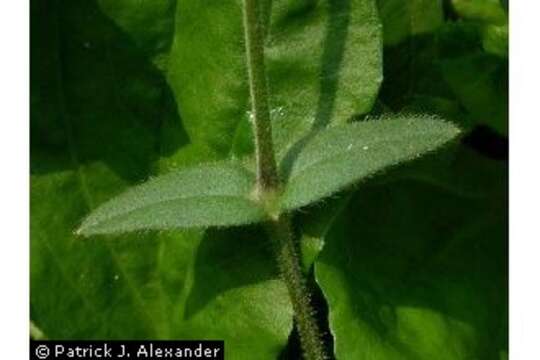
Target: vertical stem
x: 289, y: 265
x: 279, y: 229
x: 267, y: 177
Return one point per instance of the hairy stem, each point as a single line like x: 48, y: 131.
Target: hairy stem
x: 279, y: 230
x: 267, y: 177
x: 289, y: 266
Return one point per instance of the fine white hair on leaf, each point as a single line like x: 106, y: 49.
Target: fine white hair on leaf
x: 339, y: 157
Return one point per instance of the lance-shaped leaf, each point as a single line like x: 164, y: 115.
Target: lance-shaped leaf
x: 338, y: 157
x: 208, y: 195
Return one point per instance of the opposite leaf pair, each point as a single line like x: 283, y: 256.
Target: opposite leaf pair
x: 223, y: 193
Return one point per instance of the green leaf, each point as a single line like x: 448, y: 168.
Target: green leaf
x: 341, y: 156
x: 448, y: 170
x: 315, y: 224
x: 486, y: 11
x: 145, y: 286
x: 480, y: 82
x: 323, y: 61
x: 234, y: 293
x: 402, y: 19
x: 450, y: 74
x: 495, y: 39
x: 103, y: 118
x: 208, y: 195
x: 150, y: 25
x: 493, y: 22
x: 412, y: 68
x: 412, y: 271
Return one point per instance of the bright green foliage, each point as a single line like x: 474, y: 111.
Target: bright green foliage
x: 402, y: 19
x: 415, y: 272
x: 323, y: 61
x: 340, y: 156
x: 217, y: 194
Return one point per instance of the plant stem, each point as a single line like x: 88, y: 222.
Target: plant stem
x: 267, y: 176
x: 281, y: 233
x: 278, y: 229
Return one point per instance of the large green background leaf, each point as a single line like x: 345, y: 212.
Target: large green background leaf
x: 415, y: 271
x: 402, y: 19
x: 323, y: 61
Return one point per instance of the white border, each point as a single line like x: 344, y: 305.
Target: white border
x: 524, y: 180
x: 14, y: 186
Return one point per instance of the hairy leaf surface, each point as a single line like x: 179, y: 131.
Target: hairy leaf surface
x: 338, y: 157
x: 207, y: 195
x: 449, y: 170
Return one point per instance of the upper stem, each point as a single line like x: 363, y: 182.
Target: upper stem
x: 267, y: 176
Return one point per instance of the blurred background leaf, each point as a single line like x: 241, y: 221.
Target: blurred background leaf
x: 458, y: 69
x: 402, y: 19
x: 412, y: 270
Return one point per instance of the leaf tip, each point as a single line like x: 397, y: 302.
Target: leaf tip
x: 80, y: 232
x: 86, y: 228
